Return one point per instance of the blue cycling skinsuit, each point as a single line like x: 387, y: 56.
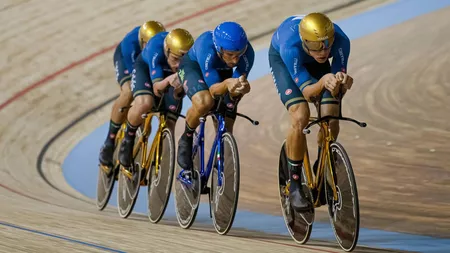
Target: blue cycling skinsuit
x: 202, y: 67
x: 125, y: 55
x: 150, y: 67
x: 293, y: 69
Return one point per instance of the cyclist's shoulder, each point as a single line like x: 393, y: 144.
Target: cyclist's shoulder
x: 204, y: 39
x: 339, y: 34
x: 132, y: 35
x: 203, y: 47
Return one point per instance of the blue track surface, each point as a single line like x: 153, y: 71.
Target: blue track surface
x: 80, y: 167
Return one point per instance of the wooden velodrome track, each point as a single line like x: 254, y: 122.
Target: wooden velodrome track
x: 400, y: 159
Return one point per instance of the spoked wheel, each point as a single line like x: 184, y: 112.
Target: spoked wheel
x: 187, y: 193
x: 128, y: 188
x: 107, y: 176
x: 299, y: 224
x: 343, y: 211
x: 160, y: 183
x: 224, y: 198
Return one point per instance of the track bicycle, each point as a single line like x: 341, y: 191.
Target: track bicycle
x: 331, y: 182
x: 224, y: 164
x: 153, y: 169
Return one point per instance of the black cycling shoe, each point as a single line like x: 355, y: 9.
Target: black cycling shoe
x: 184, y: 157
x: 297, y: 197
x: 126, y: 152
x: 106, y: 154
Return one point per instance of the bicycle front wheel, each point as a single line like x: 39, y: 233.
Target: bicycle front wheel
x: 224, y: 198
x: 160, y: 183
x: 343, y: 211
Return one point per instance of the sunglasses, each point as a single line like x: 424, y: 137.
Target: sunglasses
x: 318, y: 45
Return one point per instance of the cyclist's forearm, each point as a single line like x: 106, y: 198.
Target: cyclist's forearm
x: 158, y: 87
x: 220, y: 88
x: 312, y: 90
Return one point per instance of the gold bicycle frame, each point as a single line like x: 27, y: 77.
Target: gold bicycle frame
x: 143, y: 142
x: 318, y: 181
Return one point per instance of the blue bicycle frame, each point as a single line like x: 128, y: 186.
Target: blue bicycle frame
x: 199, y: 145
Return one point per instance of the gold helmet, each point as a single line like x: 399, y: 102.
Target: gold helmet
x: 179, y: 41
x: 316, y: 31
x: 148, y: 30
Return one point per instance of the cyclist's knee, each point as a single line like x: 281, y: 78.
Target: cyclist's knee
x: 203, y: 102
x: 143, y: 103
x: 299, y: 114
x: 125, y: 91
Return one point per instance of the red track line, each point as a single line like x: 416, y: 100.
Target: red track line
x: 23, y: 194
x: 48, y: 78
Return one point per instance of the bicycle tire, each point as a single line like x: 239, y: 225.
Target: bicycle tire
x: 222, y: 218
x: 345, y: 183
x: 105, y: 182
x: 125, y: 205
x: 157, y: 196
x: 299, y: 225
x: 188, y: 194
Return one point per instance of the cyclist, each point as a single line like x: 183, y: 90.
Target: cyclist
x: 124, y: 57
x: 155, y: 73
x: 299, y: 61
x: 207, y: 72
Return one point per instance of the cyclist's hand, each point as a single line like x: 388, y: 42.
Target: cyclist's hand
x: 345, y: 79
x: 174, y: 81
x: 233, y: 85
x: 244, y: 87
x: 331, y: 83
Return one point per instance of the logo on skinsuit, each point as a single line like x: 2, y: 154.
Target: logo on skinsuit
x: 206, y: 74
x: 181, y: 74
x: 153, y: 72
x: 172, y: 107
x: 126, y: 72
x: 296, y: 80
x: 201, y: 81
x: 288, y: 92
x: 230, y: 105
x: 147, y: 85
x: 295, y: 177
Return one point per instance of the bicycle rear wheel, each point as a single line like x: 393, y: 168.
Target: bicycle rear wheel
x: 106, y: 180
x: 343, y: 212
x: 187, y: 194
x: 224, y: 198
x: 299, y: 224
x: 160, y: 184
x: 128, y: 189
